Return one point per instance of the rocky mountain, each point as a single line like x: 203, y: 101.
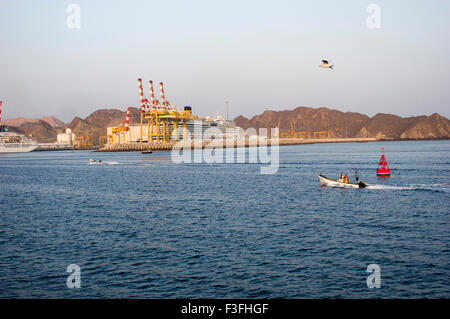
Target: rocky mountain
x: 349, y: 124
x: 40, y: 131
x: 44, y: 130
x: 303, y: 119
x: 18, y: 121
x: 95, y: 125
x: 53, y: 121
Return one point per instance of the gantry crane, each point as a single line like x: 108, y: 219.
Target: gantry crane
x: 162, y: 118
x: 303, y: 134
x: 120, y: 132
x: 82, y: 142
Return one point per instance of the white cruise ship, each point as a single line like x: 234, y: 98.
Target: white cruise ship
x: 15, y: 143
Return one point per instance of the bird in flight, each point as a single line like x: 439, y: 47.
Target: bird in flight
x: 326, y: 65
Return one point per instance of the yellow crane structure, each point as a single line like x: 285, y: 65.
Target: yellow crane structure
x: 82, y: 142
x: 293, y: 133
x: 162, y: 119
x: 303, y: 134
x: 120, y: 132
x: 102, y: 140
x: 322, y: 134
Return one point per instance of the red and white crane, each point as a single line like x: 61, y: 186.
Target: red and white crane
x: 126, y: 122
x: 141, y: 96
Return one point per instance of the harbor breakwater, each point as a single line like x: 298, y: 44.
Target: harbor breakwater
x: 167, y: 146
x: 54, y: 147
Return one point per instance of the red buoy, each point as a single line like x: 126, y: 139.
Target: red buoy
x: 383, y: 167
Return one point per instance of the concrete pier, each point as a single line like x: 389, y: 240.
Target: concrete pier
x: 167, y: 146
x: 138, y: 147
x: 54, y: 147
x: 295, y: 141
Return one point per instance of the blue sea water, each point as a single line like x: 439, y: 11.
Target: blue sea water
x: 143, y: 226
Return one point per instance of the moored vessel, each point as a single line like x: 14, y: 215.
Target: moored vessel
x: 15, y: 143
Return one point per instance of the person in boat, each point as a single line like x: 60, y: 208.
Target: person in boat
x: 345, y: 178
x: 356, y: 177
x: 341, y: 179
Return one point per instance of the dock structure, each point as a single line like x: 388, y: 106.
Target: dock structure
x: 196, y: 144
x: 161, y: 119
x: 121, y: 131
x: 292, y: 134
x: 137, y: 147
x: 163, y: 126
x: 53, y: 147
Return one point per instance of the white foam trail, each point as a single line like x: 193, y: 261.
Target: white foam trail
x: 389, y: 187
x: 430, y: 187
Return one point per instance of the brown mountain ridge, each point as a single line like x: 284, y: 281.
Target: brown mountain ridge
x: 95, y: 125
x: 350, y: 124
x: 340, y: 124
x: 40, y: 131
x: 18, y: 121
x: 44, y: 130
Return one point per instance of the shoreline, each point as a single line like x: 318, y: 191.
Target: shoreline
x: 167, y: 146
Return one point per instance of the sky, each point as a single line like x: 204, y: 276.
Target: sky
x: 255, y: 54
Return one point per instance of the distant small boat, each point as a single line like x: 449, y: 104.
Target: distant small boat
x: 93, y: 161
x: 146, y: 152
x: 332, y: 182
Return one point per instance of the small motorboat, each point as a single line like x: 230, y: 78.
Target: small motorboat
x: 147, y: 152
x: 93, y: 161
x: 332, y: 182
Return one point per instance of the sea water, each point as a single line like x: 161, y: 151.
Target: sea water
x: 142, y: 226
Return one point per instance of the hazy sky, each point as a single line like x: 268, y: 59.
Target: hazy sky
x: 256, y: 54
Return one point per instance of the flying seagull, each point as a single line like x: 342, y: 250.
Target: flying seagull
x: 325, y: 65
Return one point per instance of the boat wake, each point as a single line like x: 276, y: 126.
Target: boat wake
x: 103, y: 163
x: 388, y: 187
x: 442, y: 188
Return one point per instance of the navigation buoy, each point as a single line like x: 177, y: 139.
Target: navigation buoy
x: 383, y: 167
